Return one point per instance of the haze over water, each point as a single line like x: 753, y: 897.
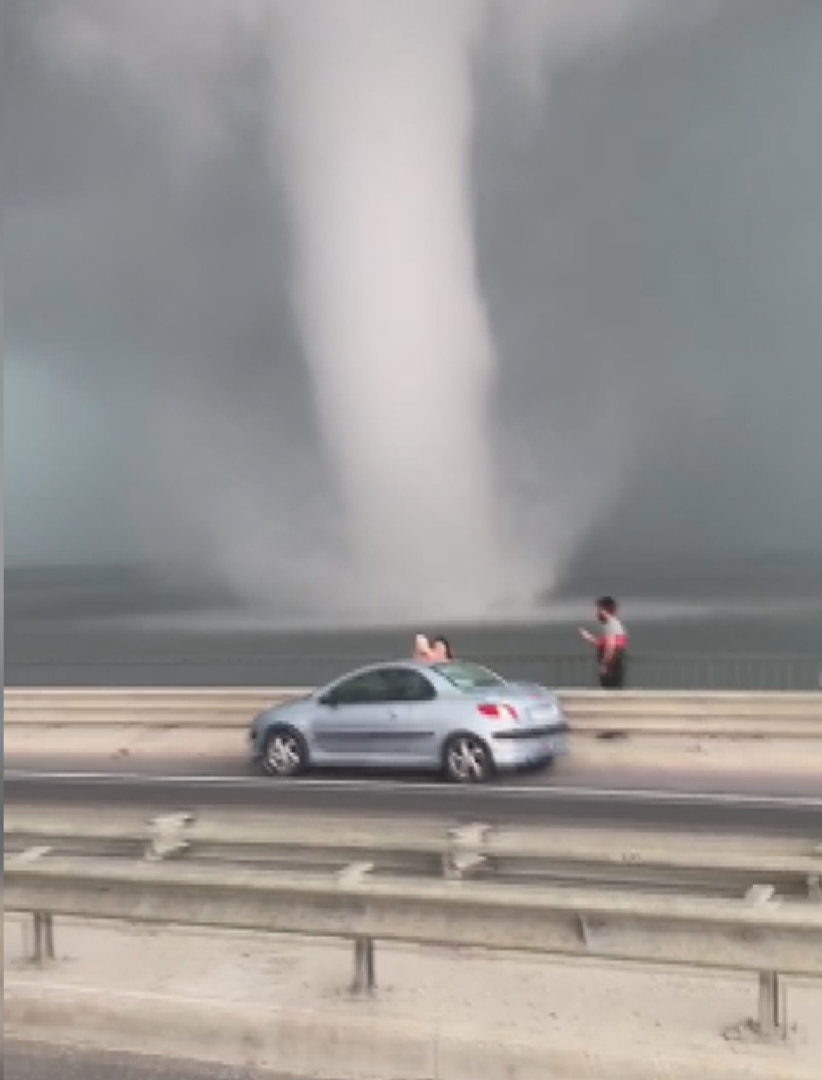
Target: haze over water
x: 119, y: 629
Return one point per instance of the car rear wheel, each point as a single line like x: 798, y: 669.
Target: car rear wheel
x: 285, y: 753
x: 467, y: 760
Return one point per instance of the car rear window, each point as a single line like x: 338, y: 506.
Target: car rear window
x: 468, y: 677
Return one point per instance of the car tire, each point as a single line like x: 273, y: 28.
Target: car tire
x: 284, y: 753
x: 467, y: 760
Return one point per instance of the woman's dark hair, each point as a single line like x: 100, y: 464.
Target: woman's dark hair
x: 446, y: 646
x: 607, y: 603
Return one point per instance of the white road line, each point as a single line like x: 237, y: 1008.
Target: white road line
x: 78, y: 990
x: 650, y: 795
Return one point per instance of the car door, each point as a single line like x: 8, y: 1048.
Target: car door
x: 413, y: 736
x: 349, y: 719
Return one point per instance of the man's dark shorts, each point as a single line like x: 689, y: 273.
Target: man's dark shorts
x: 613, y: 678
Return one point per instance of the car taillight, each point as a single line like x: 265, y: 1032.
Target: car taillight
x: 497, y: 712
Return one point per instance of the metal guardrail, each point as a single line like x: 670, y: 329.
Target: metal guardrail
x: 646, y: 671
x: 765, y: 937
x: 695, y: 713
x: 709, y: 865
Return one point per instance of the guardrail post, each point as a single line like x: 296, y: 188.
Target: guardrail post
x: 773, y: 1006
x: 815, y: 887
x: 166, y: 836
x: 465, y: 851
x: 42, y: 924
x: 43, y: 937
x: 365, y: 977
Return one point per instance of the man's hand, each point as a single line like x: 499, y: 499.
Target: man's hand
x: 587, y: 636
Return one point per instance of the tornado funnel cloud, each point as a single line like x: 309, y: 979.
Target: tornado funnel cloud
x: 460, y: 497
x: 375, y: 107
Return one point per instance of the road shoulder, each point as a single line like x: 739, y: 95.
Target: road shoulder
x: 283, y: 1004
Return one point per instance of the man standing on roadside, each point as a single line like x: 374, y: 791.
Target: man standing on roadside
x: 611, y: 645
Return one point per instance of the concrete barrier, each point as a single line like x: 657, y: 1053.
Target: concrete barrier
x: 732, y: 714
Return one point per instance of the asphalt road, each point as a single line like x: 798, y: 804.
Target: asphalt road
x: 532, y: 798
x: 39, y: 1061
x: 569, y: 771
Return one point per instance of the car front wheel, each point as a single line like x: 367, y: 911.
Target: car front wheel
x: 467, y: 760
x: 284, y: 753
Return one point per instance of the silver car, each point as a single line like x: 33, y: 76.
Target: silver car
x: 456, y: 717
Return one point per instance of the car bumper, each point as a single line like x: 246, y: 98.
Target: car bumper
x: 519, y: 750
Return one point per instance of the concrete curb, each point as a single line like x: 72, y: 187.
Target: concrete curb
x: 361, y: 1046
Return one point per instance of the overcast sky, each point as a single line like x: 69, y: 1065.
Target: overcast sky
x: 650, y: 247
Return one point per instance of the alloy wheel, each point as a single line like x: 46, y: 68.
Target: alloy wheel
x: 467, y: 760
x: 284, y: 754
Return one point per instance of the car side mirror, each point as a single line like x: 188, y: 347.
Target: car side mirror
x: 329, y: 699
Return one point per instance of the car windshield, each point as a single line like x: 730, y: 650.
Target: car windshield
x: 468, y: 677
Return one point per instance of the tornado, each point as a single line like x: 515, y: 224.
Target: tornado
x: 367, y: 107
x: 373, y: 142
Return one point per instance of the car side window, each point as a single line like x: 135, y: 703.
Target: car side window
x: 369, y: 688
x: 408, y: 685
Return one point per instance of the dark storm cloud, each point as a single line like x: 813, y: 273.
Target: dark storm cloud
x: 115, y: 256
x: 650, y: 246
x: 156, y: 290
x: 665, y: 255
x: 715, y: 263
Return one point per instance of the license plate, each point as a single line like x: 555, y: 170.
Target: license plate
x: 541, y: 715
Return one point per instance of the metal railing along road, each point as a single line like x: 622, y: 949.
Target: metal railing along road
x: 616, y: 858
x: 725, y: 714
x: 756, y: 935
x: 647, y: 671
